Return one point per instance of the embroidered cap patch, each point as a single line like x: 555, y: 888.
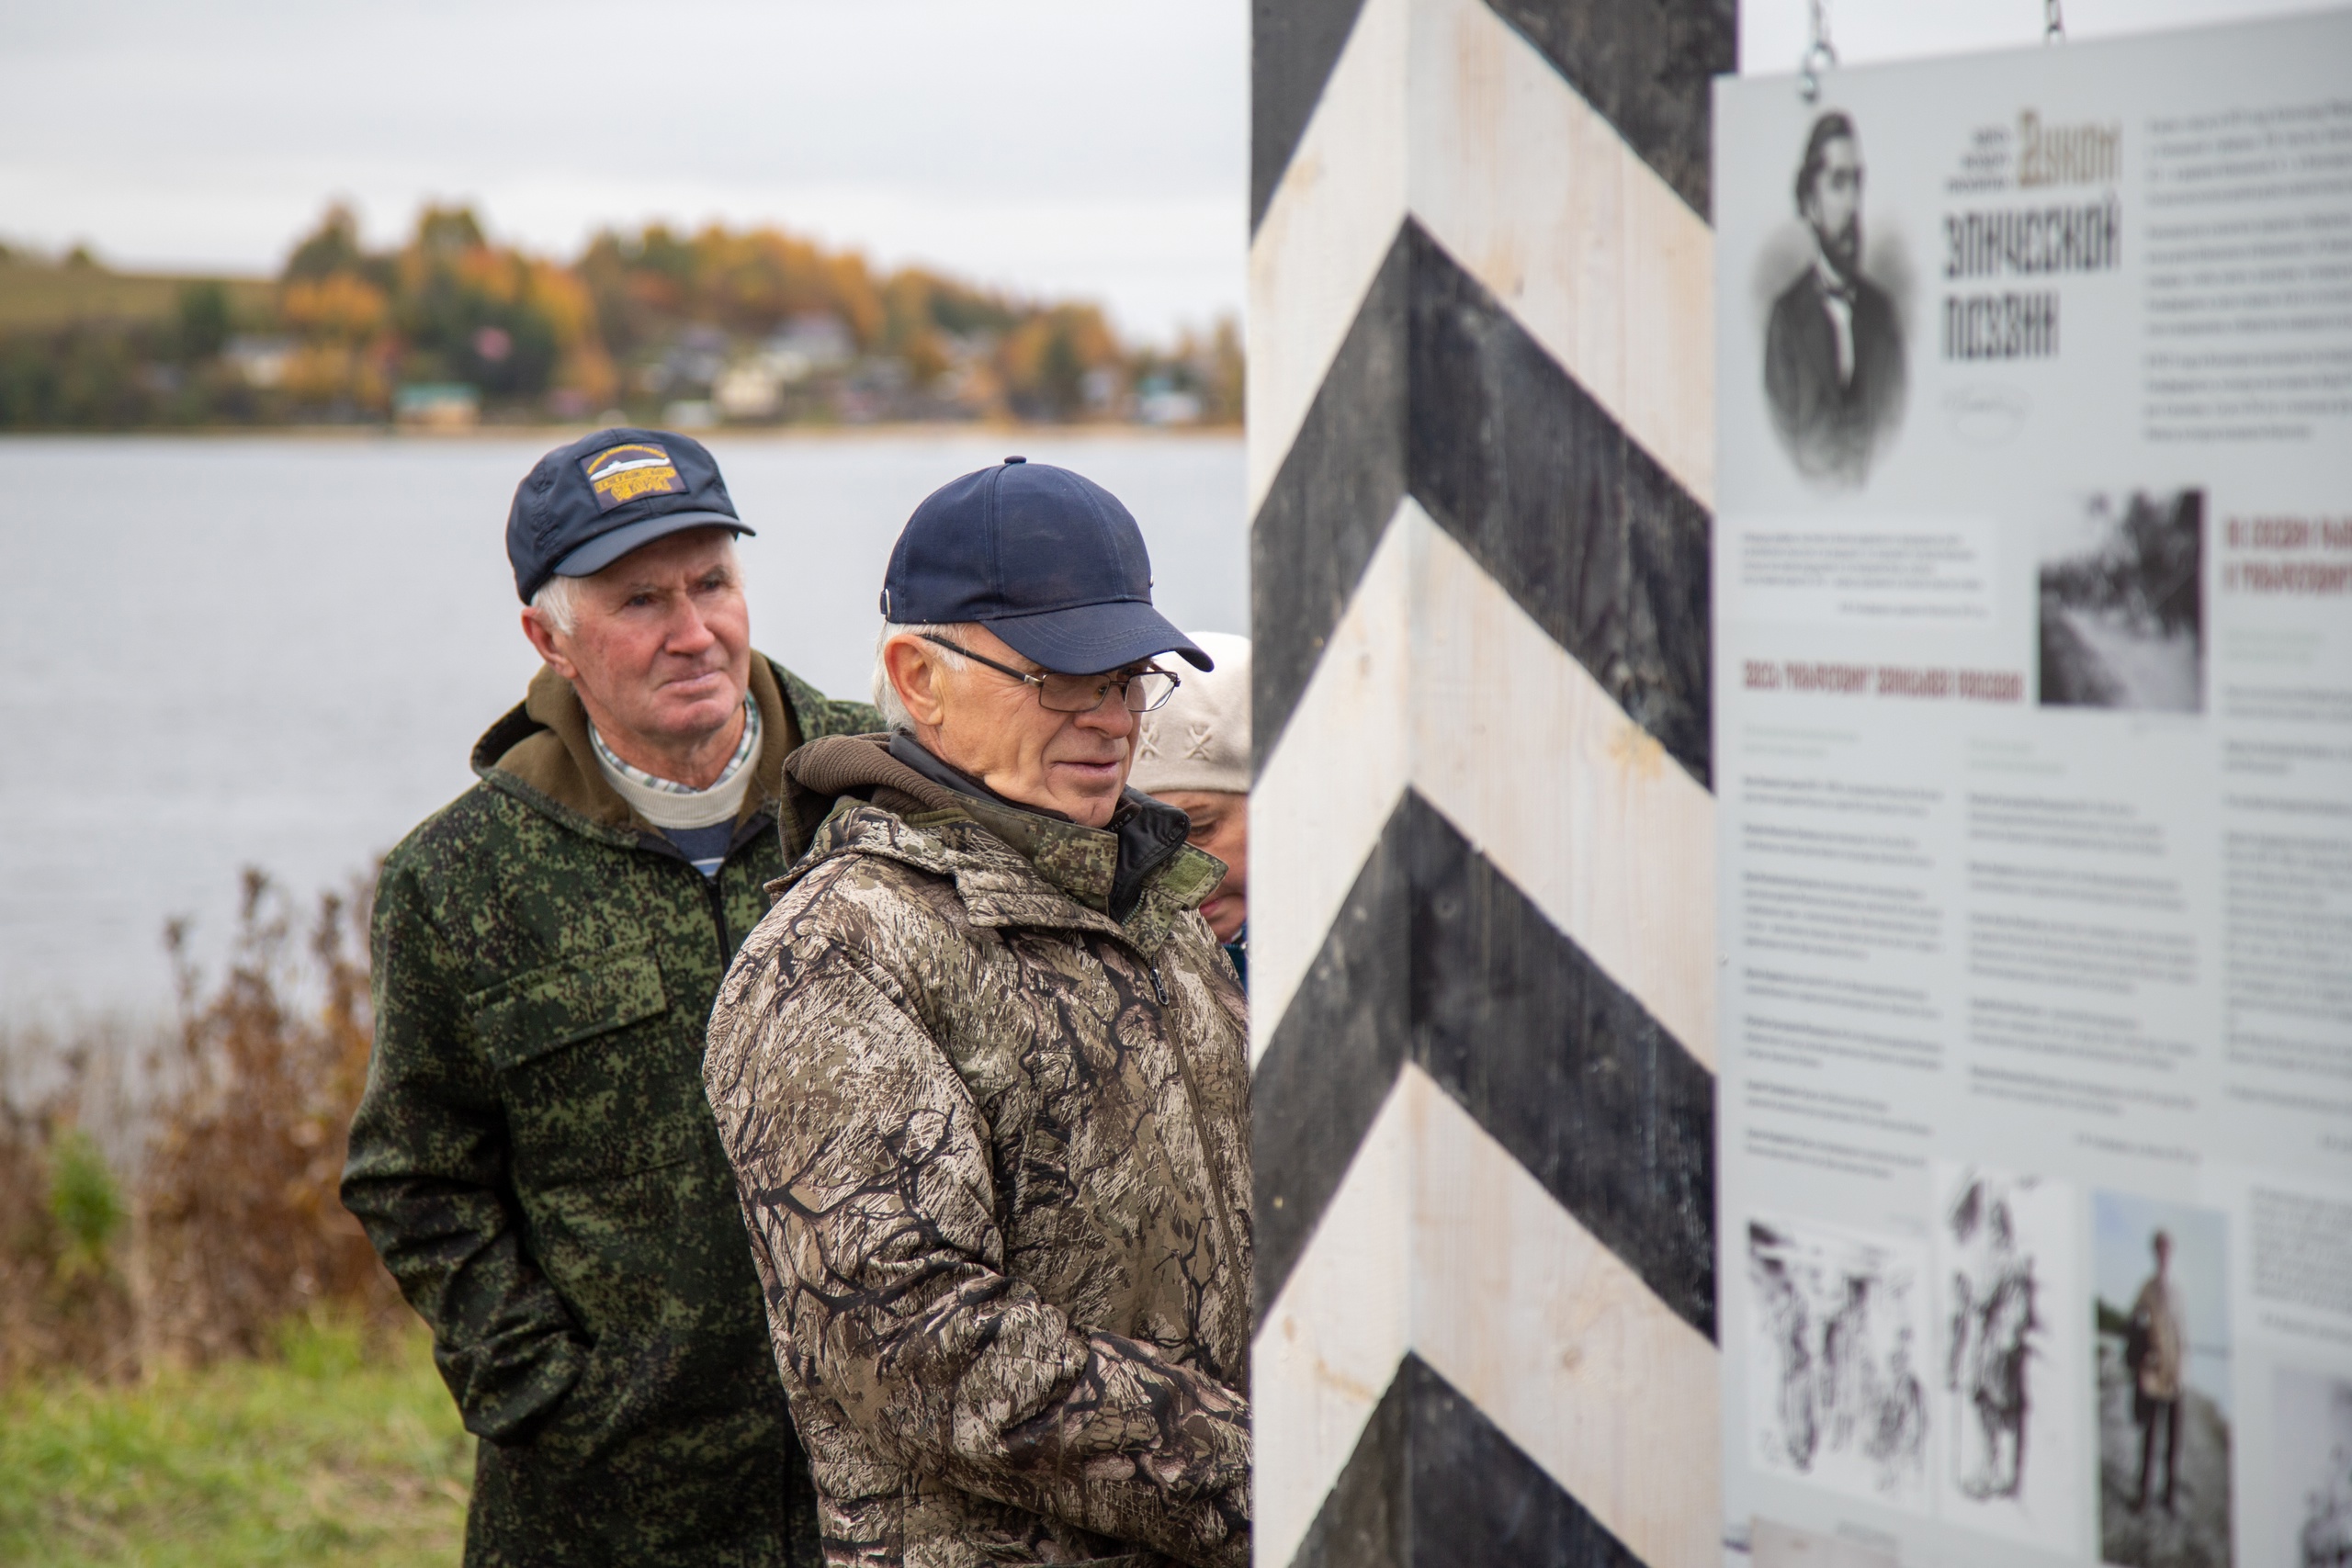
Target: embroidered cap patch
x: 621, y: 474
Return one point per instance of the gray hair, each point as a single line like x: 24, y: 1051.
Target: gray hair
x: 558, y: 603
x: 886, y: 695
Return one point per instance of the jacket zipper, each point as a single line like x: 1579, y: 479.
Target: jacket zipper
x: 713, y: 894
x: 717, y: 896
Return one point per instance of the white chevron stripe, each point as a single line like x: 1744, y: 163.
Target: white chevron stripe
x: 1440, y: 1243
x: 1329, y: 1349
x: 1614, y: 278
x: 1327, y: 228
x: 1435, y: 678
x: 1605, y: 267
x: 1320, y: 803
x: 1585, y: 812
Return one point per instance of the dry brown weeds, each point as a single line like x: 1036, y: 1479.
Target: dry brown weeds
x: 233, y: 1221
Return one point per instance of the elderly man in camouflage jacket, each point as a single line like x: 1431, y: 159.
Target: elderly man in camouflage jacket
x: 982, y: 1072
x: 534, y: 1157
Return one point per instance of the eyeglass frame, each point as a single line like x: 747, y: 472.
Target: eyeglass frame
x: 1038, y: 681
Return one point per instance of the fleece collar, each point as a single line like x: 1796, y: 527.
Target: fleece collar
x: 1147, y: 831
x: 541, y: 754
x: 1012, y: 865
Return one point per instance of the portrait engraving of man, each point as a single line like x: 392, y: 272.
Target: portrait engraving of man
x: 1833, y: 352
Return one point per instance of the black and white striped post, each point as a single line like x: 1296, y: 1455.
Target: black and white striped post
x: 1481, y: 468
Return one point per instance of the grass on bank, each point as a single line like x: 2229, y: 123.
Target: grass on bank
x: 329, y: 1453
x: 41, y: 294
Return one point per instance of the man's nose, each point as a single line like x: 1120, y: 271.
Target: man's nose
x: 1111, y: 716
x: 689, y: 632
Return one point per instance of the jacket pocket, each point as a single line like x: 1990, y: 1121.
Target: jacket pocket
x: 576, y: 1430
x: 546, y: 1009
x: 598, y: 1074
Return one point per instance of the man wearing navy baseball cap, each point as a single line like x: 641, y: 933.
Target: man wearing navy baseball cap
x: 534, y: 1157
x: 983, y: 1074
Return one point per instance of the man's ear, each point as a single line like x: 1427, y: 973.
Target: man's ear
x: 916, y: 679
x: 543, y: 639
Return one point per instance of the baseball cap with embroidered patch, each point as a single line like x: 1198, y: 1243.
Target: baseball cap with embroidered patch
x: 583, y: 507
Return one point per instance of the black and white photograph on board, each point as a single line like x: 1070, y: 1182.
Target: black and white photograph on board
x: 1833, y: 371
x: 2311, y: 1447
x: 2123, y: 602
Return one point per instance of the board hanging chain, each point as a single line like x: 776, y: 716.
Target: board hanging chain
x: 2054, y: 26
x: 1819, y: 56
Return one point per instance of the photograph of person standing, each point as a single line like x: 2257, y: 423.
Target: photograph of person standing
x: 2156, y: 1351
x: 2166, y: 1427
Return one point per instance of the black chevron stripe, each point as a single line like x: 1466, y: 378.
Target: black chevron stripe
x: 1433, y: 1484
x: 1645, y: 66
x: 1565, y: 509
x: 1436, y: 957
x: 1334, y: 1056
x: 1579, y: 524
x: 1292, y: 46
x: 1324, y: 514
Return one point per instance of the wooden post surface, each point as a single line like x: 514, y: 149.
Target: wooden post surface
x: 1483, y: 949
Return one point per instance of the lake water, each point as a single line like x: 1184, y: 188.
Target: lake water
x: 221, y: 652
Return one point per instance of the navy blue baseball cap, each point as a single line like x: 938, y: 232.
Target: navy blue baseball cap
x: 1046, y: 558
x: 583, y: 507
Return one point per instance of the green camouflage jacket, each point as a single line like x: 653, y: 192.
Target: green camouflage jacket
x: 536, y: 1162
x: 993, y: 1148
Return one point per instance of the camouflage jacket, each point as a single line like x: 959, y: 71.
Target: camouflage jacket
x: 993, y: 1148
x: 536, y: 1163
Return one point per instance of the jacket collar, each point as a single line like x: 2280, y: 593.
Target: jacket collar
x: 1011, y: 866
x: 541, y: 754
x: 1145, y: 832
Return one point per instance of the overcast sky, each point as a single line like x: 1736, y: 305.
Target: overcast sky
x: 1094, y: 147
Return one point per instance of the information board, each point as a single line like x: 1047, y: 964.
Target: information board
x: 2033, y: 738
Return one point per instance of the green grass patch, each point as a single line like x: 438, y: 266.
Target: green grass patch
x: 323, y: 1455
x: 38, y: 294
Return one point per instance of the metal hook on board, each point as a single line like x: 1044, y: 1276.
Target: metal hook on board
x: 1818, y: 55
x: 2054, y: 26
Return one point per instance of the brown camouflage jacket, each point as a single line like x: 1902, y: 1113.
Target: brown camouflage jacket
x: 992, y: 1146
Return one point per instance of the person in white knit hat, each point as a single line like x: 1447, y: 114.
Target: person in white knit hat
x: 1193, y: 753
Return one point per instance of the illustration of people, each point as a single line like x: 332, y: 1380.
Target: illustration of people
x: 1992, y: 1330
x: 2156, y: 1351
x: 1848, y: 1375
x: 1834, y: 1326
x: 1791, y: 1334
x: 1898, y: 1443
x: 1875, y: 1404
x: 2326, y: 1535
x: 1833, y: 352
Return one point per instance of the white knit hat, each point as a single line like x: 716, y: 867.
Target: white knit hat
x: 1201, y: 740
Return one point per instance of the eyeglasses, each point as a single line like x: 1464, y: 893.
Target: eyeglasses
x: 1141, y: 690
